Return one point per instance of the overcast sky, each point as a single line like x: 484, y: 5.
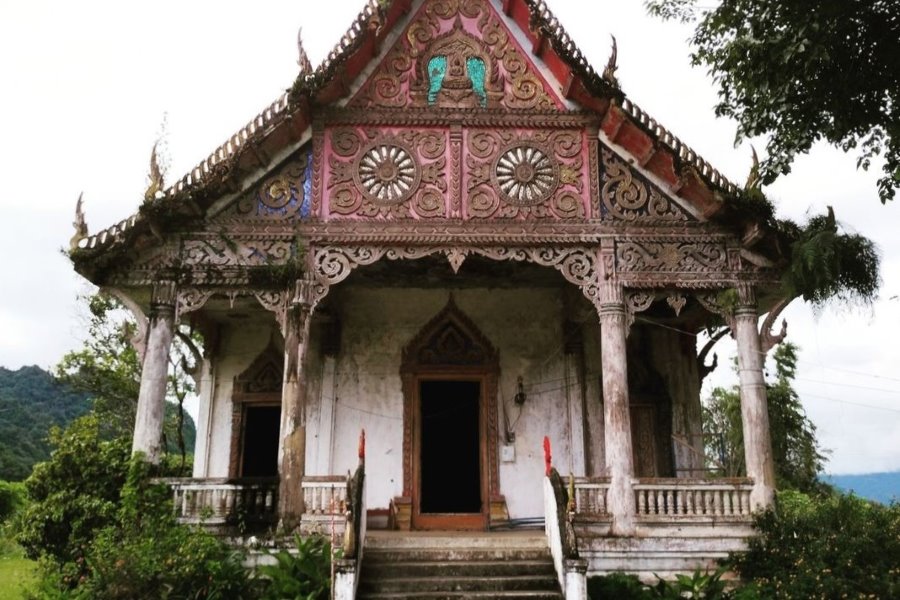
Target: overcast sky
x: 86, y: 86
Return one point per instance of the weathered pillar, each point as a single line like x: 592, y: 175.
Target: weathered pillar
x: 292, y: 463
x: 616, y: 416
x: 754, y: 409
x: 151, y: 407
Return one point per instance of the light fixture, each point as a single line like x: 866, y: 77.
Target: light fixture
x: 519, y: 398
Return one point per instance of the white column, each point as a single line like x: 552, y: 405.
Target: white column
x: 151, y: 407
x: 206, y: 393
x: 754, y: 407
x: 292, y: 462
x: 616, y: 416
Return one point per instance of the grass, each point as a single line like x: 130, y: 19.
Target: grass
x: 17, y: 573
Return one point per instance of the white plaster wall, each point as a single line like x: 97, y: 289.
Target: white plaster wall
x: 524, y: 324
x: 239, y: 345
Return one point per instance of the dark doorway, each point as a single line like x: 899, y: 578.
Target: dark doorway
x: 262, y: 430
x: 450, y: 467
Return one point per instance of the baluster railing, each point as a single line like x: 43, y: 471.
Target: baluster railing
x: 692, y: 499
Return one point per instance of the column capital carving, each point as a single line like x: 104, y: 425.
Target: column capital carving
x: 612, y: 295
x: 163, y: 297
x: 746, y: 298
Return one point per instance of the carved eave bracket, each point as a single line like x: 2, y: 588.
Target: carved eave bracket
x: 768, y: 339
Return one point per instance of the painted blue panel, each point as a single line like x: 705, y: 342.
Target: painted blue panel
x: 437, y: 70
x: 475, y: 67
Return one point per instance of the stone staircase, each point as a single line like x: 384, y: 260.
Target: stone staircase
x: 413, y: 565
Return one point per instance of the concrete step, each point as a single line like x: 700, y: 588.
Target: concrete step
x: 456, y: 568
x: 458, y: 565
x: 479, y: 583
x: 453, y: 554
x: 521, y: 595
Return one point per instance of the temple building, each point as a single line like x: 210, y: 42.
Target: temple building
x: 458, y: 236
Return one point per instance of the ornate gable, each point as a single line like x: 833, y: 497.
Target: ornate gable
x: 627, y: 196
x: 285, y: 194
x: 449, y: 339
x: 456, y: 54
x: 265, y: 374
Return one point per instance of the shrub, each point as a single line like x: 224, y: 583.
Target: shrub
x: 304, y: 575
x: 836, y: 547
x: 12, y: 498
x: 146, y: 554
x: 74, y: 494
x: 619, y: 586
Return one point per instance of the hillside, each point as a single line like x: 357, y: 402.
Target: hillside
x: 31, y: 402
x: 881, y: 487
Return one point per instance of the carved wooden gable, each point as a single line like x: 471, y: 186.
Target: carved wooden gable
x: 456, y: 54
x: 265, y: 374
x: 449, y: 339
x: 626, y: 195
x: 284, y: 194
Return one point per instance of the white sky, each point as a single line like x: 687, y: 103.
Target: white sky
x: 86, y: 86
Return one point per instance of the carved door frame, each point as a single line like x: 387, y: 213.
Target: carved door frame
x: 479, y: 362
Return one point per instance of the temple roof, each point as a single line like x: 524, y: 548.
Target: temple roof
x: 286, y: 123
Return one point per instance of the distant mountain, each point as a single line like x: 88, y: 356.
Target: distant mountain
x: 31, y: 402
x: 881, y: 487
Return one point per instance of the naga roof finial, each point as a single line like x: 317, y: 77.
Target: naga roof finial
x: 754, y: 181
x: 609, y: 71
x: 155, y: 176
x: 303, y: 59
x: 80, y: 225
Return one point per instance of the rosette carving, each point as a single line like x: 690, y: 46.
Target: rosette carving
x: 388, y: 174
x: 537, y: 174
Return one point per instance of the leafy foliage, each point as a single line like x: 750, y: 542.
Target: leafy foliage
x: 304, y: 575
x: 828, y: 265
x: 617, y: 585
x: 32, y: 401
x: 836, y: 547
x: 145, y: 554
x: 108, y: 369
x: 800, y: 73
x: 74, y: 494
x: 12, y: 498
x: 103, y: 530
x: 798, y: 459
x: 699, y: 584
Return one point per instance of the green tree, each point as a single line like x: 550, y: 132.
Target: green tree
x: 800, y: 72
x: 108, y: 369
x: 796, y: 453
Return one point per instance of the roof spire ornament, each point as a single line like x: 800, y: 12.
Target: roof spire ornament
x: 155, y: 176
x: 754, y: 181
x: 609, y: 71
x: 80, y: 225
x: 303, y: 59
x: 377, y: 18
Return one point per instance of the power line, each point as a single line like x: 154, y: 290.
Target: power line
x: 848, y: 385
x: 887, y: 408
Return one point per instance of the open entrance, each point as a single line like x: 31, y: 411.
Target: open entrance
x: 450, y: 448
x: 450, y: 466
x: 262, y: 425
